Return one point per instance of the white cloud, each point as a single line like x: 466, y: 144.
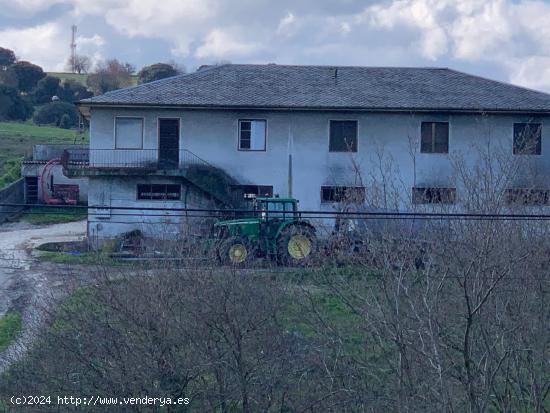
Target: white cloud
x: 532, y: 72
x: 219, y: 44
x: 95, y: 40
x: 288, y: 25
x: 497, y: 31
x: 47, y: 45
x: 489, y: 36
x: 38, y: 44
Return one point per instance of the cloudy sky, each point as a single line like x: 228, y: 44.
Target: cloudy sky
x: 507, y: 40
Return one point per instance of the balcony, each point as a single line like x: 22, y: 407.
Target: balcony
x: 93, y: 162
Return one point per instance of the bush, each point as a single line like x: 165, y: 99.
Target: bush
x: 156, y: 72
x: 72, y: 91
x: 12, y: 105
x: 28, y: 75
x: 46, y: 89
x: 65, y: 121
x: 54, y: 113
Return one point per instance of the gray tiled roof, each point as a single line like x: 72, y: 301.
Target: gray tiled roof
x: 330, y: 87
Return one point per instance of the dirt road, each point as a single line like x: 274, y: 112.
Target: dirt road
x: 26, y: 283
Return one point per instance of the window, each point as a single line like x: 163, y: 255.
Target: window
x: 434, y: 137
x: 156, y: 192
x: 527, y: 138
x: 252, y: 134
x: 434, y: 195
x: 342, y: 194
x: 531, y: 197
x: 128, y: 133
x: 249, y: 192
x: 343, y: 136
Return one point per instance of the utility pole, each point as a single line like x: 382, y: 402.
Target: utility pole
x: 290, y: 151
x: 73, y: 48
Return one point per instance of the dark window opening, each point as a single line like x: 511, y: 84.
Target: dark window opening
x: 31, y: 189
x: 527, y: 138
x: 434, y: 137
x: 342, y: 194
x: 524, y: 196
x: 343, y: 136
x: 157, y: 192
x: 434, y: 195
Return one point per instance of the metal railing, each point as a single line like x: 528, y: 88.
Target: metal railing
x: 147, y: 159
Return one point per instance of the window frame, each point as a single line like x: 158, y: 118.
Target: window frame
x: 414, y: 200
x: 433, y: 122
x: 344, y: 188
x: 142, y: 131
x: 526, y: 192
x: 356, y: 135
x: 538, y: 146
x: 151, y: 190
x: 239, y: 135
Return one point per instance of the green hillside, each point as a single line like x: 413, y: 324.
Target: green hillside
x: 81, y: 77
x: 17, y: 139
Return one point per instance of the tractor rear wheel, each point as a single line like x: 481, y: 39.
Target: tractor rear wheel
x: 297, y: 245
x: 236, y: 251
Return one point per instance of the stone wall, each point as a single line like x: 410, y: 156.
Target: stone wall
x: 12, y: 194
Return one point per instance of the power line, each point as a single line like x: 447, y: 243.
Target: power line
x: 317, y: 214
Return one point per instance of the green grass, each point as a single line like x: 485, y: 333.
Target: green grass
x: 26, y: 131
x: 70, y: 76
x: 17, y: 140
x: 10, y: 171
x: 10, y: 327
x: 85, y: 258
x: 38, y: 215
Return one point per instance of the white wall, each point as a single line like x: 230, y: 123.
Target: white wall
x: 213, y: 136
x: 119, y: 192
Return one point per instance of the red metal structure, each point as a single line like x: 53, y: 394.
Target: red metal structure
x: 56, y: 194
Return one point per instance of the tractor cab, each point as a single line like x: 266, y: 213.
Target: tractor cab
x: 276, y: 208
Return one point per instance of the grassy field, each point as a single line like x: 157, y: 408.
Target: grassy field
x: 80, y: 77
x: 17, y: 140
x: 38, y: 215
x: 10, y: 327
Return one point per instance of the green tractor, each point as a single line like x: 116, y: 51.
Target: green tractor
x: 275, y: 230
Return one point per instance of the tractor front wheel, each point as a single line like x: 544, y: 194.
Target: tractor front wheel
x: 236, y: 251
x: 297, y: 245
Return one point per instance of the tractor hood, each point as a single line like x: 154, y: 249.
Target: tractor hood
x: 241, y: 221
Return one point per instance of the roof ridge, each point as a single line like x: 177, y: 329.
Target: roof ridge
x: 339, y: 66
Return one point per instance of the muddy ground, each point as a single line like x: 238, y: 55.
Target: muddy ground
x: 29, y: 285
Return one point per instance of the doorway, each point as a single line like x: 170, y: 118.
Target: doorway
x: 169, y: 143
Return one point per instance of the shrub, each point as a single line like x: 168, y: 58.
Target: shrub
x: 46, y: 89
x: 72, y: 91
x: 156, y: 72
x: 12, y: 105
x: 65, y: 121
x: 54, y: 113
x: 28, y: 75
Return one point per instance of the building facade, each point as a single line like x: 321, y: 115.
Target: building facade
x: 394, y: 137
